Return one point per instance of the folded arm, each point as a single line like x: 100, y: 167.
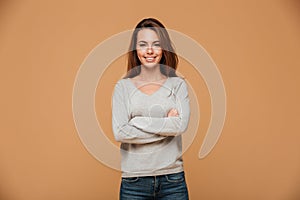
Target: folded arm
x: 122, y: 130
x: 168, y: 126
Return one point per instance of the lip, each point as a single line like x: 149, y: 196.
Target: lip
x: 150, y: 59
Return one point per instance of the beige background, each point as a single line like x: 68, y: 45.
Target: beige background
x: 255, y: 44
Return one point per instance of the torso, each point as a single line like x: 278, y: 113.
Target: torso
x: 147, y: 87
x: 165, y: 156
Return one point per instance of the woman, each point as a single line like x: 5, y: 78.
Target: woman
x: 150, y: 109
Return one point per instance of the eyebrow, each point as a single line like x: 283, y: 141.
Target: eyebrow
x: 142, y: 41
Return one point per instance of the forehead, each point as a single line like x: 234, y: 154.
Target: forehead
x: 147, y: 35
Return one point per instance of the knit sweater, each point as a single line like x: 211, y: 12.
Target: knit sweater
x: 151, y: 142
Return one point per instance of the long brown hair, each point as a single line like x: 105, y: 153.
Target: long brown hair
x: 169, y: 60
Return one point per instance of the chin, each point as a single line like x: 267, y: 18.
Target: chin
x: 150, y: 65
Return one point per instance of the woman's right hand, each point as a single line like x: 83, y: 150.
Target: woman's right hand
x: 173, y: 113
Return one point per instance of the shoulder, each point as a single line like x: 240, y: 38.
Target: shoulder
x: 120, y: 85
x: 121, y: 82
x: 179, y: 84
x: 177, y: 77
x: 178, y: 80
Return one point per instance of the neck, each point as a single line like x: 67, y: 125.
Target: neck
x: 151, y: 74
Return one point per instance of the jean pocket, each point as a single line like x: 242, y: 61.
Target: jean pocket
x: 175, y: 178
x: 130, y: 179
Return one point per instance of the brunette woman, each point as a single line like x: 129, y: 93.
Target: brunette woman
x: 150, y: 112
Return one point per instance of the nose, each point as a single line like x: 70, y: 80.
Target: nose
x: 149, y: 50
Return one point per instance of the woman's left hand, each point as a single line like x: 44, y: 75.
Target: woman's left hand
x: 173, y: 113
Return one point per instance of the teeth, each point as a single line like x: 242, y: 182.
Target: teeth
x: 149, y: 59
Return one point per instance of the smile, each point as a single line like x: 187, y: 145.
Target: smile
x: 150, y: 59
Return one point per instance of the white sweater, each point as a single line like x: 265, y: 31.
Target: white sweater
x: 150, y: 141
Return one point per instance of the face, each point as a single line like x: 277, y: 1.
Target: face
x: 148, y: 48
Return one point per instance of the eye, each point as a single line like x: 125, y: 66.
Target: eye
x: 142, y: 45
x: 157, y: 45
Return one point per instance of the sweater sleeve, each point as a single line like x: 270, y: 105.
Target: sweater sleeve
x: 122, y: 130
x: 168, y: 126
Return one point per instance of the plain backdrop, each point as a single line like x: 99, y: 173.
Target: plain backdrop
x: 255, y: 45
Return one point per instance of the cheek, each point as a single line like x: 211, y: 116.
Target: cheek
x: 159, y: 53
x: 139, y: 54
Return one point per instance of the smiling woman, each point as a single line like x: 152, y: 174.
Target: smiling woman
x: 150, y: 110
x: 148, y: 48
x: 149, y: 38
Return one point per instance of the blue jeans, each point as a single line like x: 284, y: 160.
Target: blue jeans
x: 163, y: 187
